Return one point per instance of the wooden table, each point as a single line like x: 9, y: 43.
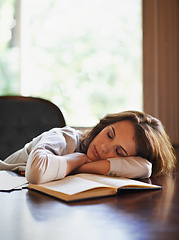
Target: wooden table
x: 132, y: 215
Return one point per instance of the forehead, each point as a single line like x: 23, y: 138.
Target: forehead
x: 125, y: 125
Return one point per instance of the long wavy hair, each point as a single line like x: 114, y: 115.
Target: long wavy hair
x: 152, y: 141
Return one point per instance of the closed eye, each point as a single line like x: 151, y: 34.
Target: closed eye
x: 109, y: 134
x: 118, y: 152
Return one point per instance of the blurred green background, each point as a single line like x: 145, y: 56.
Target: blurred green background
x: 85, y: 56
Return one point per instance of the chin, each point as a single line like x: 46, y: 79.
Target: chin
x: 91, y: 157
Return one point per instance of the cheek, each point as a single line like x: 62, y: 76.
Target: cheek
x: 132, y: 149
x: 89, y: 151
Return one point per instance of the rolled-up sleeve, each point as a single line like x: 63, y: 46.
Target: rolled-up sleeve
x: 44, y: 167
x: 130, y: 167
x: 46, y: 161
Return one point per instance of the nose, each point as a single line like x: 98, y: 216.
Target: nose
x: 106, y: 148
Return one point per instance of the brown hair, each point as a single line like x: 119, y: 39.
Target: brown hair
x: 151, y: 138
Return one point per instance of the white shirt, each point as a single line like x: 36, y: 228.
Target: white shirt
x: 43, y: 158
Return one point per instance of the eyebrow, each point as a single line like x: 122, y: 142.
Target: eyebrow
x: 120, y: 145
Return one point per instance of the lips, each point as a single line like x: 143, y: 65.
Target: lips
x: 95, y: 152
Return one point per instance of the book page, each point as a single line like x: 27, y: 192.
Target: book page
x: 116, y: 182
x: 72, y: 185
x: 9, y: 182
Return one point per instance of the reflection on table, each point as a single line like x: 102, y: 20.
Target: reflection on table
x: 133, y: 214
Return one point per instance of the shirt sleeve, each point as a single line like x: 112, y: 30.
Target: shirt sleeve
x: 130, y: 167
x: 46, y: 162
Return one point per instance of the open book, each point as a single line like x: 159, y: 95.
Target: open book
x: 82, y: 186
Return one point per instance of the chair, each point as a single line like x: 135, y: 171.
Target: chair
x: 23, y: 118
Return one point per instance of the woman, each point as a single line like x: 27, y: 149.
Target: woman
x: 128, y: 144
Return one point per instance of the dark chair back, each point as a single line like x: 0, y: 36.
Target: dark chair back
x: 23, y: 118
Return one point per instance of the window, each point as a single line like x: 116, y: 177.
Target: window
x: 85, y: 56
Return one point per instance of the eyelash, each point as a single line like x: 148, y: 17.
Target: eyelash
x: 118, y: 153
x: 109, y: 136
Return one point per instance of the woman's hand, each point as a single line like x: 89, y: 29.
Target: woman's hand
x: 75, y: 160
x: 98, y: 167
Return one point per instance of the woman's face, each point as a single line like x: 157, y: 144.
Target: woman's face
x: 114, y: 140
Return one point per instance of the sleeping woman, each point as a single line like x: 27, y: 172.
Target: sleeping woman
x: 127, y: 144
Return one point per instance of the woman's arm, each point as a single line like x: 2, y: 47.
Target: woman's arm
x: 130, y: 167
x: 44, y: 166
x: 54, y: 156
x: 75, y: 160
x: 98, y: 167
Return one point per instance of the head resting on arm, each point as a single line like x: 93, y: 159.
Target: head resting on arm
x: 151, y: 139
